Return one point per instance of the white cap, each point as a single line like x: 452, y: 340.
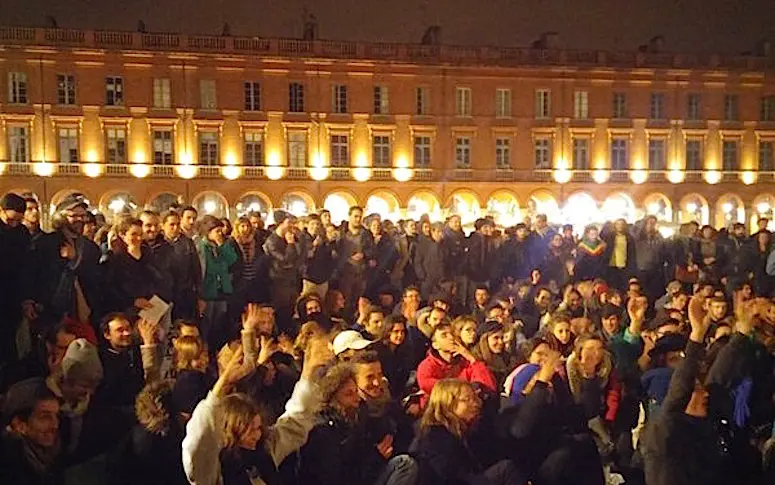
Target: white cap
x: 349, y: 340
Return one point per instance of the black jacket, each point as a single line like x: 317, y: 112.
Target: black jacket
x: 15, y: 248
x: 454, y: 245
x: 16, y: 468
x: 154, y: 459
x: 444, y: 459
x: 481, y: 251
x: 186, y: 276
x: 319, y: 262
x: 514, y: 259
x: 284, y: 259
x: 128, y: 279
x: 610, y: 241
x: 381, y: 258
x: 429, y: 263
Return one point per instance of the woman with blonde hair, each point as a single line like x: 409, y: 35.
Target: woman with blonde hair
x: 464, y: 329
x: 445, y: 448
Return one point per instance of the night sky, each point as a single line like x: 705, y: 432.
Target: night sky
x: 688, y: 25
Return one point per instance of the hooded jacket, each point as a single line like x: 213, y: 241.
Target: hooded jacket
x: 434, y: 368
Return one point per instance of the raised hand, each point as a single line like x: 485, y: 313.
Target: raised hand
x: 549, y: 366
x: 268, y: 348
x: 636, y: 308
x: 317, y: 354
x: 251, y: 317
x: 149, y: 331
x: 698, y: 319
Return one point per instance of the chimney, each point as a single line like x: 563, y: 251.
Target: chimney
x: 310, y: 27
x: 656, y: 44
x: 432, y: 36
x: 547, y: 40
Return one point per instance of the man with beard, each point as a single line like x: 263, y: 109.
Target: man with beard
x: 160, y: 249
x: 185, y: 269
x: 65, y: 277
x: 14, y: 246
x: 32, y: 218
x: 30, y: 450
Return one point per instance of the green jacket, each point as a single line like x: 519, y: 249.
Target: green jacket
x: 216, y: 262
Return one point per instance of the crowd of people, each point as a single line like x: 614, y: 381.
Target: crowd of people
x: 374, y: 352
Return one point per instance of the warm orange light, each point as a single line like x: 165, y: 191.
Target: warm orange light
x: 639, y: 176
x: 186, y: 171
x: 318, y: 173
x: 43, y: 169
x: 231, y: 172
x: 275, y: 173
x: 675, y: 176
x: 562, y: 175
x: 361, y: 174
x: 600, y: 175
x: 92, y: 170
x: 748, y: 178
x: 402, y: 174
x: 139, y: 170
x: 713, y: 177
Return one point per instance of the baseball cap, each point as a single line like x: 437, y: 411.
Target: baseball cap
x: 71, y: 202
x: 349, y: 340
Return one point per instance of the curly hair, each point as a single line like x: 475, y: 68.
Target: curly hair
x: 153, y: 407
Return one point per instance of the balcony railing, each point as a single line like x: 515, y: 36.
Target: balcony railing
x: 388, y: 174
x: 473, y: 55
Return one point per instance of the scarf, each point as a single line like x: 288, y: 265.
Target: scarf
x: 40, y: 459
x: 247, y: 247
x: 593, y: 248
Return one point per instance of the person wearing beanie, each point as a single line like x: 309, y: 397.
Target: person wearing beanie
x: 14, y: 246
x: 285, y: 254
x: 30, y: 448
x: 491, y: 350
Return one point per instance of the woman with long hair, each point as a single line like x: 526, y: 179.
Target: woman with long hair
x: 491, y: 349
x: 464, y: 329
x: 590, y: 255
x: 445, y: 446
x: 559, y: 334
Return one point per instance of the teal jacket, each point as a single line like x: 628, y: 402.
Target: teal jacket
x: 216, y: 262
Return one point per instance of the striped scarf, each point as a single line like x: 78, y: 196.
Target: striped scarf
x: 594, y: 248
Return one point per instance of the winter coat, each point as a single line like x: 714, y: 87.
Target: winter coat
x: 154, y: 459
x: 514, y: 260
x: 444, y: 459
x: 598, y: 396
x: 433, y: 369
x: 202, y: 449
x: 650, y: 252
x: 429, y: 263
x: 216, y: 262
x: 381, y: 257
x: 19, y: 469
x: 454, y: 245
x: 610, y: 241
x: 186, y: 273
x: 539, y: 245
x: 347, y: 246
x: 128, y: 279
x: 285, y: 259
x: 319, y: 262
x: 590, y: 261
x: 15, y: 246
x: 481, y: 255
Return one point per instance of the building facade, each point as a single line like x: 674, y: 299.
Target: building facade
x: 233, y: 124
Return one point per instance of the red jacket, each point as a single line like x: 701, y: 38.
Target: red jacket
x: 433, y: 368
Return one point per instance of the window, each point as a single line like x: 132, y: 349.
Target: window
x: 765, y: 156
x: 208, y: 148
x: 295, y: 98
x: 657, y: 154
x: 297, y: 149
x: 422, y: 98
x: 68, y: 145
x: 161, y: 93
x: 340, y: 151
x: 619, y: 155
x: 729, y: 155
x: 115, y: 145
x: 162, y: 147
x: 17, y: 88
x: 693, y: 107
x: 463, y: 101
x: 252, y: 96
x: 731, y: 105
x: 694, y: 155
x: 581, y: 153
x: 657, y: 107
x: 254, y: 149
x: 114, y: 91
x: 503, y: 103
x: 19, y: 144
x: 463, y: 152
x: 543, y: 103
x: 620, y: 105
x: 381, y: 151
x: 422, y: 151
x: 502, y: 153
x: 207, y: 95
x: 381, y: 100
x: 581, y: 105
x: 65, y: 89
x: 767, y: 111
x: 543, y: 153
x: 339, y: 101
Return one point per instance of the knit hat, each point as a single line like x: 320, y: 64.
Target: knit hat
x: 71, y: 202
x: 209, y: 223
x: 481, y: 222
x: 13, y: 202
x: 489, y: 326
x: 22, y: 397
x: 82, y: 362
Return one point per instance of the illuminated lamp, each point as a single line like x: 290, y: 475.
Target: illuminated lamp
x: 713, y: 177
x: 139, y: 170
x: 675, y: 176
x: 361, y: 174
x: 600, y: 176
x: 231, y: 172
x: 275, y: 172
x: 763, y: 207
x: 748, y: 177
x: 402, y: 174
x: 319, y: 173
x: 92, y: 170
x: 691, y: 207
x: 43, y: 169
x: 639, y: 176
x: 186, y: 171
x: 562, y: 175
x: 727, y: 207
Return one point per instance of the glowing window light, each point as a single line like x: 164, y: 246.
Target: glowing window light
x: 139, y: 170
x: 418, y: 207
x: 92, y: 170
x: 713, y: 177
x: 748, y: 178
x: 186, y: 171
x: 667, y: 232
x: 675, y: 176
x: 275, y: 173
x: 378, y: 205
x: 210, y: 206
x: 600, y: 176
x: 562, y: 175
x: 338, y: 206
x: 580, y: 210
x: 43, y: 169
x: 361, y: 174
x: 692, y: 207
x: 231, y: 172
x: 654, y: 208
x: 139, y: 156
x: 617, y: 207
x: 639, y: 176
x: 727, y: 207
x: 763, y: 207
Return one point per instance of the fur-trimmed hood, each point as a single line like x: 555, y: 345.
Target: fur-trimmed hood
x: 574, y: 373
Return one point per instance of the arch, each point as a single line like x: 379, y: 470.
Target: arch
x: 464, y: 203
x: 659, y: 205
x: 61, y: 195
x: 693, y: 207
x: 503, y: 205
x: 580, y: 209
x: 116, y: 203
x: 385, y: 203
x: 763, y: 207
x: 338, y: 203
x: 162, y: 201
x: 543, y: 201
x: 211, y: 203
x: 618, y: 205
x: 423, y: 202
x: 730, y: 209
x: 297, y: 202
x: 254, y: 201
